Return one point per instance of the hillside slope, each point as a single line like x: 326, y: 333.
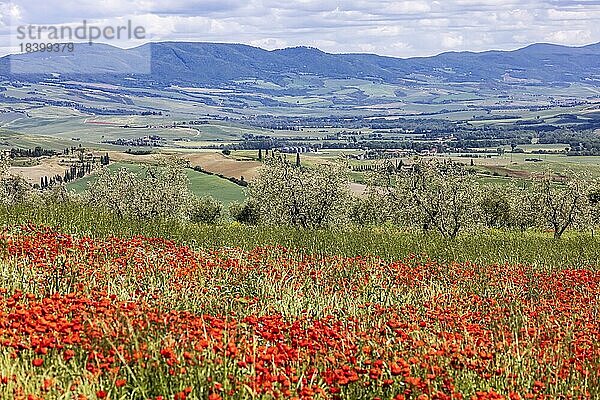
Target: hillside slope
x: 193, y: 63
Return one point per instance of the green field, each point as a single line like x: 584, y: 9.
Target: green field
x: 219, y: 120
x: 455, y: 102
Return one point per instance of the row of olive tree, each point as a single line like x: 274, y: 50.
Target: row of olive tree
x: 157, y: 191
x: 445, y: 197
x: 430, y: 195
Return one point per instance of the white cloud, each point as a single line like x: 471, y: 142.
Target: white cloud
x: 452, y: 41
x: 407, y: 7
x: 390, y: 27
x: 570, y: 37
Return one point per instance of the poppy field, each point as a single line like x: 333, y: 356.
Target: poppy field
x: 148, y: 318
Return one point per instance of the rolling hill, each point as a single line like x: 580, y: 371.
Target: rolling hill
x: 213, y: 64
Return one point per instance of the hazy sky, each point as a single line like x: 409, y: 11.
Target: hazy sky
x: 395, y: 28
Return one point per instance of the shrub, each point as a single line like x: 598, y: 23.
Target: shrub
x: 246, y: 213
x: 496, y: 207
x: 205, y: 210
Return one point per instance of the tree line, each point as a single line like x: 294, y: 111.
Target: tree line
x: 429, y: 195
x: 444, y: 197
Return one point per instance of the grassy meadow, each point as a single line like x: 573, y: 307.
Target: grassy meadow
x: 103, y: 308
x: 576, y: 249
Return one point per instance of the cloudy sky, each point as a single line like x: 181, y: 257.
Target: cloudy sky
x: 394, y: 28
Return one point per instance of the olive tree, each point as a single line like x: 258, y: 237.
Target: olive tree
x: 562, y: 205
x: 205, y: 210
x: 508, y: 207
x: 525, y: 208
x: 13, y: 189
x: 382, y: 202
x: 594, y: 205
x: 155, y: 192
x: 296, y: 195
x: 441, y: 196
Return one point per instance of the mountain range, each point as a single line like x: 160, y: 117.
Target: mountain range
x: 213, y: 64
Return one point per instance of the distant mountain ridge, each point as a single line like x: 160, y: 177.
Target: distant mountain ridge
x: 197, y: 63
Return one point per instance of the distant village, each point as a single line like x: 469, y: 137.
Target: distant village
x: 146, y: 141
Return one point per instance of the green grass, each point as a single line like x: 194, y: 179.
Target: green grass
x: 578, y: 249
x: 201, y: 184
x: 221, y: 189
x: 80, y: 185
